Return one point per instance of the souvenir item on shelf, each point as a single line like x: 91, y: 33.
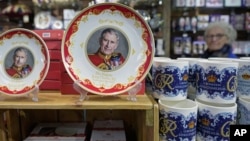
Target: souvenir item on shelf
x: 177, y: 120
x: 190, y: 3
x: 194, y: 24
x: 187, y: 24
x: 180, y: 3
x: 214, y: 3
x: 108, y: 49
x: 225, y: 18
x: 25, y: 61
x: 178, y: 48
x: 216, y: 81
x: 181, y: 23
x: 232, y: 3
x: 246, y: 3
x: 43, y: 20
x: 243, y: 111
x: 195, y: 47
x: 170, y: 78
x: 214, y: 17
x: 200, y: 3
x: 186, y: 43
x: 68, y: 14
x: 70, y: 131
x: 57, y: 24
x: 214, y: 120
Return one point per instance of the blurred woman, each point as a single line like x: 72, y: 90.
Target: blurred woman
x: 219, y: 37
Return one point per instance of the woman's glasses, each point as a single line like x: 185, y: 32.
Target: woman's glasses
x: 217, y: 36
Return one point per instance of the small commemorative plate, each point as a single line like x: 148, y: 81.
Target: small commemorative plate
x: 43, y: 20
x: 24, y: 61
x: 108, y: 48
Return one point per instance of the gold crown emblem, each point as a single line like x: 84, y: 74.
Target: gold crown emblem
x: 246, y: 76
x: 211, y: 78
x: 185, y: 77
x: 191, y: 124
x: 205, y: 122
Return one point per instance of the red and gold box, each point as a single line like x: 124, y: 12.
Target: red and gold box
x: 53, y: 40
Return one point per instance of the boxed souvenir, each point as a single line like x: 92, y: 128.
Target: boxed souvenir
x: 203, y: 18
x: 108, y: 135
x: 180, y: 3
x: 190, y: 3
x: 53, y: 39
x: 51, y: 35
x: 194, y: 21
x: 232, y: 3
x: 50, y: 85
x: 178, y: 45
x: 186, y: 44
x: 54, y: 75
x: 236, y: 47
x: 200, y: 3
x: 214, y: 3
x: 195, y: 47
x: 108, y: 124
x: 246, y: 3
x: 55, y: 55
x: 108, y: 130
x: 181, y: 24
x: 58, y: 132
x: 214, y: 18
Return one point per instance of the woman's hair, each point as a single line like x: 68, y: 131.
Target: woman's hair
x: 228, y: 29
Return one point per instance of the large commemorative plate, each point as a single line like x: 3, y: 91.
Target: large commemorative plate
x: 24, y: 61
x: 114, y: 63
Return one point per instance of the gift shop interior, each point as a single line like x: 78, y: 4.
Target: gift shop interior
x: 60, y: 112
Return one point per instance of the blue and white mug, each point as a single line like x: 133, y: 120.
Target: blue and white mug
x: 177, y: 120
x: 216, y: 81
x: 214, y: 120
x: 170, y: 79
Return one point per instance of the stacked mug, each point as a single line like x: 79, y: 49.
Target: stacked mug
x: 177, y: 114
x: 243, y: 91
x: 208, y: 106
x: 216, y: 85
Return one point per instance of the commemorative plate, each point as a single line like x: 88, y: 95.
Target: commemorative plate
x: 107, y: 48
x: 42, y: 20
x: 24, y: 61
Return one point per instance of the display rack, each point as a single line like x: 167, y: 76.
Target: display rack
x: 22, y: 114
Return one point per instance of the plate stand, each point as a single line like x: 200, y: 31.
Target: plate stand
x: 84, y: 94
x: 33, y: 92
x: 132, y: 92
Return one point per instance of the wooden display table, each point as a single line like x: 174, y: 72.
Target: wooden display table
x: 22, y: 113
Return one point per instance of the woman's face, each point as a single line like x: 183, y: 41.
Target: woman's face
x: 216, y: 38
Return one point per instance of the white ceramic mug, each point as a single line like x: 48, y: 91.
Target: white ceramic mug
x: 177, y: 120
x: 243, y: 78
x: 170, y: 79
x: 192, y: 75
x: 243, y: 111
x: 214, y: 120
x: 216, y: 81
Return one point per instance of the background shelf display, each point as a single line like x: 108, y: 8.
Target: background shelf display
x: 191, y: 20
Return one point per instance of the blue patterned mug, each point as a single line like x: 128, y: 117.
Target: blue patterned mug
x: 177, y: 120
x: 170, y: 79
x: 216, y: 81
x: 214, y: 120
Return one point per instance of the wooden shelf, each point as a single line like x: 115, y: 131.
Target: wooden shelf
x: 143, y: 114
x: 54, y: 100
